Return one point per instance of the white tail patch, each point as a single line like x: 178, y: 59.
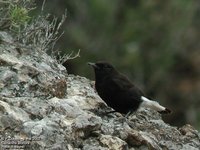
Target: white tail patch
x: 151, y: 104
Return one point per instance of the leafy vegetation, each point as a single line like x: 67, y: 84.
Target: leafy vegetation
x: 19, y: 16
x: 36, y: 32
x: 15, y: 14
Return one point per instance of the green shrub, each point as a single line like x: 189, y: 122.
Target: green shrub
x: 19, y: 16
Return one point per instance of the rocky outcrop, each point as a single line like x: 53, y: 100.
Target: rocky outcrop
x: 42, y: 107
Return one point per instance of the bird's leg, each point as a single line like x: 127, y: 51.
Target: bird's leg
x: 110, y: 112
x: 124, y: 118
x: 128, y: 114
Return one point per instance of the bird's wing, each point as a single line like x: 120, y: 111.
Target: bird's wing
x: 129, y: 95
x: 123, y: 83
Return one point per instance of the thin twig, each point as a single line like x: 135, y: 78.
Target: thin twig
x: 44, y: 1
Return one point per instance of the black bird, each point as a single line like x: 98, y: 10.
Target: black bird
x: 119, y: 93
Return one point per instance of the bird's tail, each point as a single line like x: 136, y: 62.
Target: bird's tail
x: 154, y: 105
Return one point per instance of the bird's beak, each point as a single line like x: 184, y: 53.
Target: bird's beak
x: 92, y: 64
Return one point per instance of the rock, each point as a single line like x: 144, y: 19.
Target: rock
x: 43, y: 106
x: 14, y: 112
x: 113, y: 142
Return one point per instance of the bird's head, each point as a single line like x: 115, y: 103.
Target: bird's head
x: 102, y: 68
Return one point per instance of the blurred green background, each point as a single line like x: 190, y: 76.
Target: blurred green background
x: 155, y: 43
